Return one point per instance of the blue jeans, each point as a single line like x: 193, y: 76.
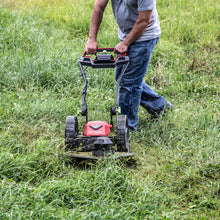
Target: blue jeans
x: 133, y: 90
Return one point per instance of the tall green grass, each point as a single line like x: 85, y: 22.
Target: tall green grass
x: 176, y: 174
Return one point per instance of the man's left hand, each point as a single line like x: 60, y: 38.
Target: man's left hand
x: 121, y: 47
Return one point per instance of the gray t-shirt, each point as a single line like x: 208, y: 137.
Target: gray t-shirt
x: 126, y: 14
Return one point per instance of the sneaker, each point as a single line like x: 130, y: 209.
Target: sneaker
x: 167, y: 107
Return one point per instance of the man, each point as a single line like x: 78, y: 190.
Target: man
x: 139, y: 32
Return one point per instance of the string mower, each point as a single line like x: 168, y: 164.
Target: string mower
x: 97, y: 140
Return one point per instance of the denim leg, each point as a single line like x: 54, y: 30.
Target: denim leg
x: 130, y: 95
x: 151, y: 101
x: 133, y: 91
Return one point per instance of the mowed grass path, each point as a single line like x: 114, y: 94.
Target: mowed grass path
x: 176, y: 170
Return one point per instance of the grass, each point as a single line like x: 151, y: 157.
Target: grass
x: 176, y: 174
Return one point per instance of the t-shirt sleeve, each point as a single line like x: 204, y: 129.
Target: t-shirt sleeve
x: 145, y: 5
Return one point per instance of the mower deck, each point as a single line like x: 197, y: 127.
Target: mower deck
x: 88, y: 155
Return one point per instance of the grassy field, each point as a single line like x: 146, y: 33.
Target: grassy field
x: 177, y: 170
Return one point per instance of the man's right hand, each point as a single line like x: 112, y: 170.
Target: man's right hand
x: 95, y: 21
x: 91, y: 47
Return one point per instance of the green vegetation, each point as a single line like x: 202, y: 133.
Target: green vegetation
x: 177, y: 170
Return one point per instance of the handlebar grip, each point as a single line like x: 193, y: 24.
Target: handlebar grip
x: 111, y: 49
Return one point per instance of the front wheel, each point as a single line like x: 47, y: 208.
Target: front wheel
x: 122, y: 133
x: 71, y: 130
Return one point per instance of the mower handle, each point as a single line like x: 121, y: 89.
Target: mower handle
x: 104, y: 60
x: 111, y: 49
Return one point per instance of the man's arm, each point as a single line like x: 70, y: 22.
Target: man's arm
x: 144, y: 18
x: 96, y: 19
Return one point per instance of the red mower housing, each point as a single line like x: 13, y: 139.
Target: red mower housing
x: 97, y: 128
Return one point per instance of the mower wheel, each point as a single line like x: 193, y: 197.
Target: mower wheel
x: 71, y: 130
x: 122, y: 134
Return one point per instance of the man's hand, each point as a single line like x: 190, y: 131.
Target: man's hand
x: 121, y: 47
x: 91, y: 47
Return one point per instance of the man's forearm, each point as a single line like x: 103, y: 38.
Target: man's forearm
x: 139, y: 27
x: 96, y: 19
x: 95, y: 22
x: 136, y: 32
